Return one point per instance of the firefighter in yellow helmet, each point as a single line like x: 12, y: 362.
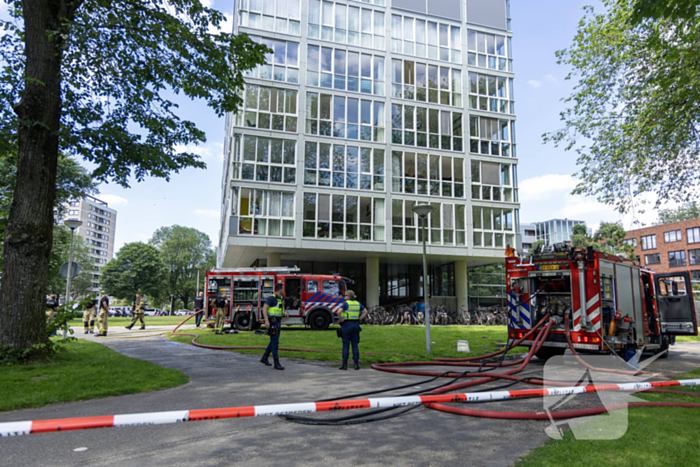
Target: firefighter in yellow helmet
x: 139, y: 310
x: 353, y: 312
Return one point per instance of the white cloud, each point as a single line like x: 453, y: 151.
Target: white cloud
x: 544, y: 186
x: 551, y: 79
x: 207, y: 151
x: 534, y: 84
x: 225, y: 26
x: 113, y: 200
x: 207, y: 213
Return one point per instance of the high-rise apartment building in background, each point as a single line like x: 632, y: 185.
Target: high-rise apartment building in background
x: 363, y: 110
x: 98, y: 229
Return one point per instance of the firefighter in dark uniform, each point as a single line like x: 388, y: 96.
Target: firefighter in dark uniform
x: 221, y: 306
x: 102, y: 317
x: 139, y: 311
x: 349, y: 320
x: 198, y: 307
x: 273, y: 311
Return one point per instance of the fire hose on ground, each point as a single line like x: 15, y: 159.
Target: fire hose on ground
x: 435, y: 399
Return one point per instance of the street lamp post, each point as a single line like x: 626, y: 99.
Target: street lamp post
x: 422, y: 210
x: 72, y: 224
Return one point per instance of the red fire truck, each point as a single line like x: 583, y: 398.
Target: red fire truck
x: 309, y: 299
x: 613, y: 304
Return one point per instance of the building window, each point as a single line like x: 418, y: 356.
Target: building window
x: 269, y: 108
x: 347, y: 24
x: 425, y: 174
x: 694, y: 256
x: 419, y: 126
x: 426, y: 83
x: 491, y: 136
x: 263, y: 212
x: 695, y: 276
x: 417, y: 37
x: 632, y: 242
x: 74, y: 204
x: 345, y: 70
x: 654, y: 258
x: 491, y: 93
x: 673, y: 236
x: 341, y: 117
x: 693, y: 235
x: 493, y: 227
x: 445, y: 225
x: 72, y: 212
x: 343, y: 217
x: 676, y: 258
x: 342, y: 166
x: 493, y: 182
x: 264, y: 159
x: 280, y: 65
x: 649, y: 242
x: 489, y: 51
x: 271, y: 15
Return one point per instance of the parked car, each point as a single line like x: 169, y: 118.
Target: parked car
x: 151, y: 312
x: 183, y: 312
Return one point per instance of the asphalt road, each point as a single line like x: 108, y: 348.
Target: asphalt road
x: 224, y: 379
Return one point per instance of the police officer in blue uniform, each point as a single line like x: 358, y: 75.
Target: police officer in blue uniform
x: 349, y: 320
x: 273, y: 311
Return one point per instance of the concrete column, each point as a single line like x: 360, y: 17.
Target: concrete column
x: 274, y: 260
x: 372, y: 289
x: 461, y: 284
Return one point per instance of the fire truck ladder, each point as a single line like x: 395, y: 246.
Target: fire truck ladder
x: 278, y: 270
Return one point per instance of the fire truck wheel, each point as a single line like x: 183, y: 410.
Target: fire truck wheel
x: 243, y: 321
x: 545, y: 353
x: 319, y: 320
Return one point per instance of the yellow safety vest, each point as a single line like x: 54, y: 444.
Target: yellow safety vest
x: 276, y: 310
x: 353, y: 311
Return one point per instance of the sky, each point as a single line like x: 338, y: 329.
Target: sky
x: 192, y: 198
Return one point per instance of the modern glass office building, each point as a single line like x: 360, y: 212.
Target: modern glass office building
x: 363, y: 110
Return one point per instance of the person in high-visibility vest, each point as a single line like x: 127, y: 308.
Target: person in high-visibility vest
x: 352, y: 313
x: 273, y: 311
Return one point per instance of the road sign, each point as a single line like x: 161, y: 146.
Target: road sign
x: 74, y: 270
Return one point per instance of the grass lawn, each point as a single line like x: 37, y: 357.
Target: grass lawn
x: 387, y: 340
x: 687, y: 339
x: 150, y: 321
x: 656, y: 437
x: 84, y: 370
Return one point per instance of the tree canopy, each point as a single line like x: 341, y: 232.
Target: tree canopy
x: 122, y: 61
x: 137, y: 268
x: 95, y: 79
x: 681, y: 213
x: 657, y: 9
x: 633, y: 116
x: 182, y: 249
x: 609, y: 238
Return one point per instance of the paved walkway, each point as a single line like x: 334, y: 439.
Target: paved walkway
x: 223, y: 379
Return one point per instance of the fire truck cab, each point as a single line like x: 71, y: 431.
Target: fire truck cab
x: 613, y: 304
x: 309, y: 299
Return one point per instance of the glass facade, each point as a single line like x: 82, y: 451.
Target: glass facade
x: 363, y: 110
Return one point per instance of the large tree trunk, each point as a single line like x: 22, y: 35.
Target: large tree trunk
x: 29, y: 233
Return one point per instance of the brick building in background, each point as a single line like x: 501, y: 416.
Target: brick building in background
x: 669, y: 247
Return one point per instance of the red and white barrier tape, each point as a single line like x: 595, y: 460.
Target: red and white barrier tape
x: 157, y: 418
